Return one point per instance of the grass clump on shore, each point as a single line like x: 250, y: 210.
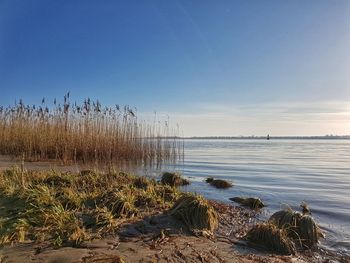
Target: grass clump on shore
x: 272, y: 238
x: 65, y: 208
x: 174, y: 179
x: 89, y: 132
x: 286, y: 231
x: 301, y: 227
x: 196, y: 212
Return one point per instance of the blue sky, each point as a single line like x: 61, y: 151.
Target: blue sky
x: 215, y: 67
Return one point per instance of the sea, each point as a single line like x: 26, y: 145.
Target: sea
x: 281, y: 172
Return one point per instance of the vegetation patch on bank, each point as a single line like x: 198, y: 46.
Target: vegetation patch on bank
x: 66, y: 208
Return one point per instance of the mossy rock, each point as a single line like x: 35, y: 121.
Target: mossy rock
x: 173, y: 179
x: 195, y: 212
x: 253, y: 203
x: 271, y: 238
x: 219, y: 183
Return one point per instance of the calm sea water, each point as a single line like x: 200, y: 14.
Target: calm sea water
x: 279, y: 172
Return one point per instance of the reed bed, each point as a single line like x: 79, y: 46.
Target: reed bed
x: 89, y: 133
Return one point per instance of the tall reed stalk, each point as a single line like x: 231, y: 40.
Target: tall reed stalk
x: 89, y: 132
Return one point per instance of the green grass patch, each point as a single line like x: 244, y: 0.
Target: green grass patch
x: 66, y: 208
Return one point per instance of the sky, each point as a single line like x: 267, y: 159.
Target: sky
x: 216, y: 68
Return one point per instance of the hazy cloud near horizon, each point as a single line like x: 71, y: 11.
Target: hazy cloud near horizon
x: 279, y: 119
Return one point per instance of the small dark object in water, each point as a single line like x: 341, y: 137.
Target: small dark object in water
x: 173, y: 179
x: 270, y: 237
x: 209, y: 180
x: 218, y: 183
x: 253, y: 203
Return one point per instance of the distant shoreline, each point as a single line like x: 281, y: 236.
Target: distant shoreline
x: 327, y: 137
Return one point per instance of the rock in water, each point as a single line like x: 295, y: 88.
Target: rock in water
x: 218, y: 183
x: 253, y: 203
x: 173, y: 179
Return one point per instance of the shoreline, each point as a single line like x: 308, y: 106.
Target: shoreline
x: 157, y: 236
x: 162, y: 240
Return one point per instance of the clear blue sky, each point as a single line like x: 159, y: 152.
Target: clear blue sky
x: 216, y: 67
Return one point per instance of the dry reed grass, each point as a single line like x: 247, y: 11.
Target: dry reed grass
x: 89, y: 132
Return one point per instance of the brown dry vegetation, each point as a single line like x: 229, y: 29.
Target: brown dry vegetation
x: 66, y: 208
x: 88, y: 132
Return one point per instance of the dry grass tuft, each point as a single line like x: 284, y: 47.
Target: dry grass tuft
x: 142, y: 182
x: 301, y: 227
x: 196, y: 212
x: 173, y: 179
x: 285, y: 231
x: 272, y: 238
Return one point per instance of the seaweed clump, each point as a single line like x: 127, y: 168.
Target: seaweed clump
x: 173, y: 179
x: 253, y: 203
x: 195, y: 212
x: 219, y: 183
